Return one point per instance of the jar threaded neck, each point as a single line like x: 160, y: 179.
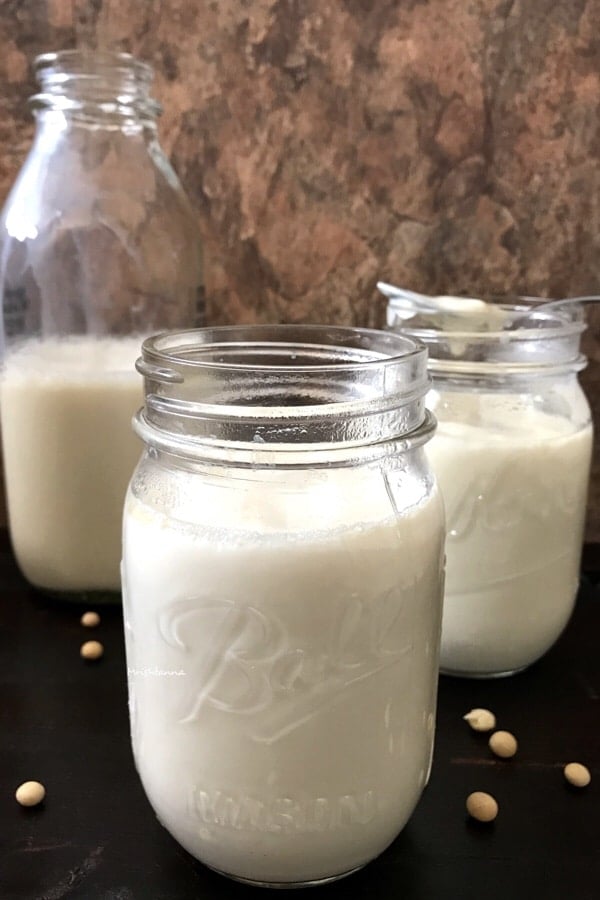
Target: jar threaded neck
x: 283, y: 387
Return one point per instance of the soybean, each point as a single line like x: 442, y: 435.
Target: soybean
x: 503, y: 744
x: 30, y: 793
x: 92, y: 650
x: 482, y: 806
x: 577, y: 774
x: 481, y: 719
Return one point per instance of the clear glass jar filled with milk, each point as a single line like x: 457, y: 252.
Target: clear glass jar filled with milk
x: 98, y: 246
x: 512, y: 456
x: 282, y: 581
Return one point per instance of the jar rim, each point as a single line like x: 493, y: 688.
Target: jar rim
x: 95, y: 84
x: 565, y: 320
x: 165, y: 346
x: 529, y: 335
x: 283, y: 385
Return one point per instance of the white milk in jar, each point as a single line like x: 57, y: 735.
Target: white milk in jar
x: 512, y: 456
x: 282, y: 601
x: 69, y: 451
x: 515, y: 502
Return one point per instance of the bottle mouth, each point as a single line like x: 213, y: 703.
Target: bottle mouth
x: 521, y: 335
x: 284, y: 386
x: 98, y: 81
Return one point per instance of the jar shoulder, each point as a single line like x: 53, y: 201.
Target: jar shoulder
x: 555, y: 406
x: 287, y: 501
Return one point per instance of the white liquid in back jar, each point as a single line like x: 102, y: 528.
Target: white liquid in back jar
x: 69, y: 451
x: 281, y: 671
x: 515, y: 488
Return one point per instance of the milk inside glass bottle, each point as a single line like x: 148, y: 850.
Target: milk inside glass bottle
x: 99, y: 246
x: 512, y: 457
x: 282, y: 580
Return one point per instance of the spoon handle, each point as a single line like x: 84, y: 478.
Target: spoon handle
x: 418, y: 301
x: 569, y: 301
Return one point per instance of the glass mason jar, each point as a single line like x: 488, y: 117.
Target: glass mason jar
x: 98, y: 246
x: 282, y: 580
x: 512, y: 458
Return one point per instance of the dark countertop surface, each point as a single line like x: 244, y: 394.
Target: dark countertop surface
x: 64, y: 722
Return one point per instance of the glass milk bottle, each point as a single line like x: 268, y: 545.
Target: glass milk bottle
x: 512, y: 457
x: 98, y: 246
x: 282, y: 579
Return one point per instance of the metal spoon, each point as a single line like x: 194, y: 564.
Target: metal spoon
x: 408, y: 303
x: 451, y: 310
x: 445, y: 312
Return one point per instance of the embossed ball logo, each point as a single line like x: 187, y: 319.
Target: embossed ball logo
x: 497, y: 501
x: 243, y: 661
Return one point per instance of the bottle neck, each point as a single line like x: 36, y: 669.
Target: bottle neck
x: 97, y: 88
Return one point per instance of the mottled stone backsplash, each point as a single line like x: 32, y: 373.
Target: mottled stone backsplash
x: 444, y: 145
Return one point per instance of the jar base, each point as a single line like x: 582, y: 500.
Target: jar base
x: 453, y: 673
x: 287, y: 885
x: 90, y: 598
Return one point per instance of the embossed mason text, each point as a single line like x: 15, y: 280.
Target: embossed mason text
x: 281, y: 814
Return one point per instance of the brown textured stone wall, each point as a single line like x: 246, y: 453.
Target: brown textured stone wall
x: 451, y: 146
